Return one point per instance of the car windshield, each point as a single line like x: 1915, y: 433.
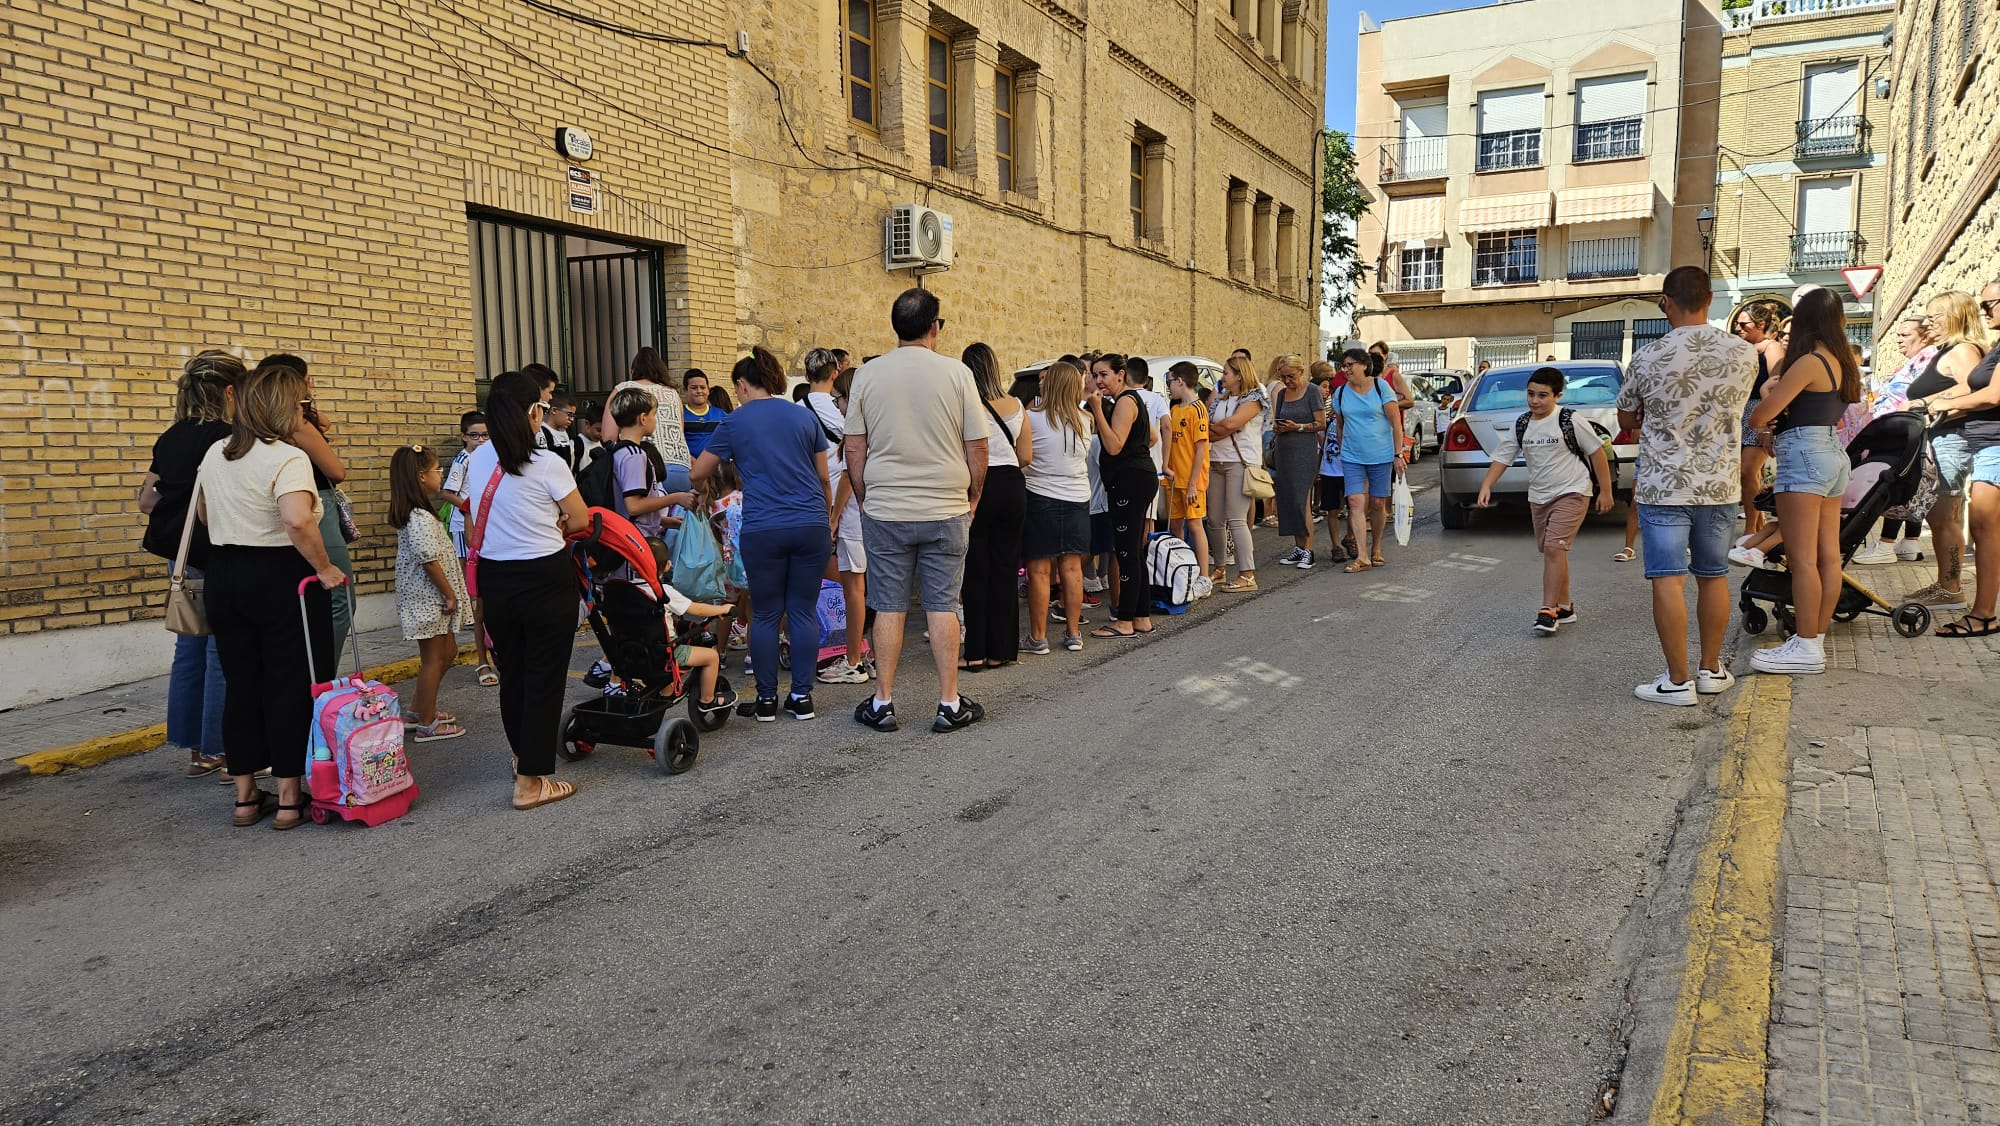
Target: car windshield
x: 1507, y: 388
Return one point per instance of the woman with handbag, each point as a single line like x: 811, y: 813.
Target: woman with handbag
x: 256, y: 494
x: 195, y: 688
x: 1236, y: 474
x: 991, y: 589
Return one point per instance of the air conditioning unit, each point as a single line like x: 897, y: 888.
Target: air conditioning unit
x: 915, y: 237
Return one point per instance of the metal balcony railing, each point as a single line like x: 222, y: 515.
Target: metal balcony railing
x: 1743, y: 18
x: 1826, y: 250
x: 1418, y: 158
x: 1604, y: 258
x: 1609, y: 140
x: 1516, y: 148
x: 1412, y: 273
x: 1831, y: 136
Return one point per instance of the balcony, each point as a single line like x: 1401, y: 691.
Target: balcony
x: 1826, y: 250
x: 1516, y: 148
x: 1831, y: 137
x: 1418, y: 158
x: 1762, y: 11
x: 1591, y: 259
x: 1609, y: 140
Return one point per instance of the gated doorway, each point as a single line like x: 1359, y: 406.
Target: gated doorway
x: 582, y: 304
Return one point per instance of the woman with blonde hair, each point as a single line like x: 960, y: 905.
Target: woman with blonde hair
x: 1952, y: 322
x: 262, y: 509
x: 1235, y: 441
x: 1057, y: 532
x: 1757, y: 324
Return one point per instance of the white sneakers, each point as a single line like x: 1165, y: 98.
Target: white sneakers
x: 1874, y: 553
x: 840, y: 672
x: 1746, y: 557
x: 1203, y: 587
x: 1664, y: 691
x: 1798, y: 656
x: 1908, y: 551
x: 1708, y: 683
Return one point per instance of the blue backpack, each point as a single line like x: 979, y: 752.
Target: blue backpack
x: 699, y: 571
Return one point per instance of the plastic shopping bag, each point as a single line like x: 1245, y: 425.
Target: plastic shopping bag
x: 1404, y: 508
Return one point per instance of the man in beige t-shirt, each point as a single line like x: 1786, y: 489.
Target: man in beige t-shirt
x: 916, y: 460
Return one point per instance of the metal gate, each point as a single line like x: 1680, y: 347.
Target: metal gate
x: 614, y: 308
x: 1597, y: 340
x: 1646, y: 331
x: 585, y: 317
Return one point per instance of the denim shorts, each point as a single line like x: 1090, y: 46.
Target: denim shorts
x: 928, y: 555
x: 1986, y: 466
x: 1811, y: 461
x: 1954, y: 462
x: 1682, y: 538
x: 1370, y: 479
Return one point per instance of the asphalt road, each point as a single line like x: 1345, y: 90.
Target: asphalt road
x: 1356, y: 849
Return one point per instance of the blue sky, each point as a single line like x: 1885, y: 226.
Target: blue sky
x: 1343, y: 19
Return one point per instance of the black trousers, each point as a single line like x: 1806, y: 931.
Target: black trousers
x: 1131, y: 490
x: 252, y: 595
x: 531, y: 607
x: 991, y: 590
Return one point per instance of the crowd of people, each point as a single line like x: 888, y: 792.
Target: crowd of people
x: 914, y: 476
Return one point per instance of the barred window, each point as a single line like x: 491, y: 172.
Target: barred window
x: 1597, y: 340
x: 1968, y: 31
x: 1505, y: 257
x: 1420, y: 269
x: 1931, y: 85
x: 1646, y: 331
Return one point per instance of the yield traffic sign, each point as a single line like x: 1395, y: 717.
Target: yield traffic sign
x: 1861, y: 279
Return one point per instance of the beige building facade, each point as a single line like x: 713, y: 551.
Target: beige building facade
x: 383, y: 190
x: 1531, y: 190
x: 1802, y: 177
x: 1944, y: 159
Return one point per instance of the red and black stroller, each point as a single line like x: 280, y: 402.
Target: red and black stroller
x: 628, y: 612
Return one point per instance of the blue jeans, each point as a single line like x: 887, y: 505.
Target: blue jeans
x: 785, y: 566
x: 1679, y: 538
x: 195, y: 693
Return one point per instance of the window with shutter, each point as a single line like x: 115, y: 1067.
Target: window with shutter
x: 1510, y: 128
x: 1830, y: 121
x: 1610, y: 117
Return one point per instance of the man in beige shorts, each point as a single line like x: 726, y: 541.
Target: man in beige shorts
x: 1567, y: 463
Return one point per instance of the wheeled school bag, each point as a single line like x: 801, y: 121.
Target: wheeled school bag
x: 356, y: 768
x: 1171, y: 565
x: 831, y: 610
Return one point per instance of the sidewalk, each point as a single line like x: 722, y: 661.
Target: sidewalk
x: 1887, y: 966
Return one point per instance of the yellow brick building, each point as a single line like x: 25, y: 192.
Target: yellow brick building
x: 1944, y: 162
x: 379, y: 189
x: 1802, y: 172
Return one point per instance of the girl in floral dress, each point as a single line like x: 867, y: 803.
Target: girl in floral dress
x: 430, y: 591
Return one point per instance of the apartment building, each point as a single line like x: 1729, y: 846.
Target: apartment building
x: 417, y: 195
x: 1943, y: 158
x: 1802, y: 173
x: 1533, y: 187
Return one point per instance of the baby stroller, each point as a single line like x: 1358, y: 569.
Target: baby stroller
x: 635, y: 629
x: 1896, y: 443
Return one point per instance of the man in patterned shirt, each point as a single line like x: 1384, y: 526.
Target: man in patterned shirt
x: 1685, y: 393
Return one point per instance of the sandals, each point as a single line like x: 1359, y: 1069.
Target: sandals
x: 1110, y: 632
x: 487, y: 676
x: 1960, y: 628
x: 250, y: 812
x: 1378, y: 561
x: 551, y: 791
x: 440, y: 729
x: 1625, y: 555
x: 972, y: 666
x: 441, y: 716
x: 300, y: 809
x: 1357, y: 566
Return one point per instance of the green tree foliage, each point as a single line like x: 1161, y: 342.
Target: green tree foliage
x: 1342, y: 201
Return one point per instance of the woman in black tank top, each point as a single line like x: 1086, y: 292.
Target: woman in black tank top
x: 1125, y: 436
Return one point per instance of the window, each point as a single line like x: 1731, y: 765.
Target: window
x: 1597, y: 340
x: 1246, y: 17
x: 1610, y: 117
x: 937, y: 82
x: 1510, y: 129
x: 1826, y: 238
x: 1421, y: 155
x: 1603, y: 258
x: 1502, y: 353
x: 1930, y: 87
x: 1263, y: 243
x: 1647, y: 331
x: 1420, y: 269
x: 1288, y: 251
x: 1138, y: 189
x: 861, y: 61
x: 1004, y: 95
x: 1968, y: 31
x: 1830, y: 121
x: 1237, y: 241
x: 1504, y: 257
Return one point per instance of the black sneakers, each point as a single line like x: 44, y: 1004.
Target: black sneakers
x: 799, y: 707
x: 951, y: 719
x: 1566, y: 615
x: 881, y: 719
x: 767, y: 710
x: 1545, y: 620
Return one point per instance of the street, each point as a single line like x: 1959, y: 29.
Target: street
x: 1358, y: 848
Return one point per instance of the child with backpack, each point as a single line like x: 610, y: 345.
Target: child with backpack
x: 1568, y: 466
x: 720, y: 495
x: 430, y: 589
x: 472, y: 434
x: 1186, y: 478
x: 627, y: 476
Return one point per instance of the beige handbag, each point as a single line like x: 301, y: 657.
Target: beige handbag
x: 1257, y: 482
x: 187, y: 614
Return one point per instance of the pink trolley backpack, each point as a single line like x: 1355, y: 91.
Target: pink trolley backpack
x: 356, y: 768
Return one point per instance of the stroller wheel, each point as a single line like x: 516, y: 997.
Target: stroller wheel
x: 676, y: 746
x: 1911, y: 619
x: 1846, y: 613
x: 1755, y: 620
x: 572, y: 748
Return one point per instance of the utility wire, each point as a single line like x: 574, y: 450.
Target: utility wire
x: 1858, y: 87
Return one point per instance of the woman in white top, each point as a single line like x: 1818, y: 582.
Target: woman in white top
x: 523, y: 501
x: 1057, y: 529
x: 651, y: 375
x: 991, y: 590
x: 1235, y: 439
x: 256, y: 494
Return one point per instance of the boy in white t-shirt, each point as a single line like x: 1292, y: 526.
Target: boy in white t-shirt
x: 1566, y: 464
x: 471, y: 436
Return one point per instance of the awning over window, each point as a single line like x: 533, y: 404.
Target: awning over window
x: 1610, y: 204
x: 1416, y: 220
x: 1522, y: 212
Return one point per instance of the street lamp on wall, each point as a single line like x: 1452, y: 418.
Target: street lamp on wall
x: 1705, y: 223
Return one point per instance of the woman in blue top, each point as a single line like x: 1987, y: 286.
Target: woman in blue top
x: 780, y: 452
x: 1368, y: 428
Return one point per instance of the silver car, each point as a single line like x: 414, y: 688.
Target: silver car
x: 1490, y: 408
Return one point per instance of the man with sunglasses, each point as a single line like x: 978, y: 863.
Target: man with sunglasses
x: 1684, y: 393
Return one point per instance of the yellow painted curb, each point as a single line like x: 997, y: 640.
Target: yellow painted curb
x: 1716, y: 1054
x: 104, y: 748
